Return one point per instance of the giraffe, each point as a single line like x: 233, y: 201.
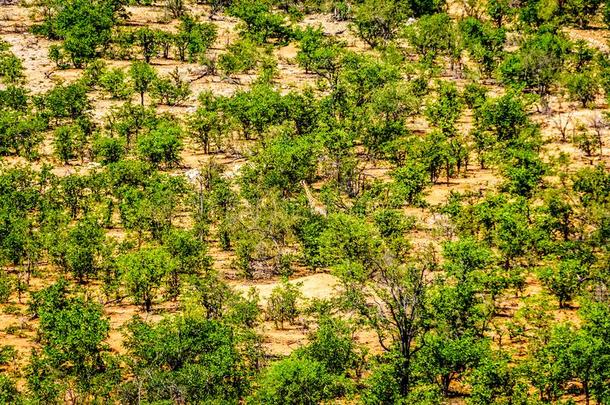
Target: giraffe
x: 316, y: 206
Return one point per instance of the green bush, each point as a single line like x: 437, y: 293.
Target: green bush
x: 162, y: 145
x: 171, y: 90
x: 282, y: 305
x: 298, y: 381
x: 114, y: 82
x: 6, y: 287
x: 110, y: 150
x: 240, y: 57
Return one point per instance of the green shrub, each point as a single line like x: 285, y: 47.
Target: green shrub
x: 282, y: 305
x: 6, y: 287
x: 299, y: 381
x: 110, y: 150
x: 171, y: 90
x: 115, y: 84
x: 161, y: 145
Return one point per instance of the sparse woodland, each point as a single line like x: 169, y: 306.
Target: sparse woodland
x: 305, y: 202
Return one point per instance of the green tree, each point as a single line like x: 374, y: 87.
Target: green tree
x: 73, y: 362
x: 142, y: 76
x: 114, y: 82
x: 162, y: 145
x: 298, y: 381
x: 537, y: 64
x: 565, y: 280
x: 64, y: 142
x: 187, y: 358
x: 146, y: 38
x: 377, y: 22
x: 282, y: 305
x: 143, y: 272
x: 432, y: 36
x: 81, y: 251
x: 261, y: 24
x: 582, y: 87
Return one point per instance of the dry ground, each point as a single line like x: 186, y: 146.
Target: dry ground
x: 18, y: 330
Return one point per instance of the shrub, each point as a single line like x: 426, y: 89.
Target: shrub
x: 65, y: 142
x: 282, y: 305
x: 110, y: 150
x: 298, y: 381
x: 240, y: 57
x: 582, y: 87
x: 171, y: 90
x: 114, y: 83
x: 161, y: 145
x: 6, y: 287
x: 143, y: 272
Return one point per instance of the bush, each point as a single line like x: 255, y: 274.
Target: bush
x: 114, y: 83
x: 261, y: 24
x: 11, y: 68
x: 8, y: 391
x: 298, y: 381
x: 240, y: 57
x: 332, y: 344
x: 161, y: 145
x: 110, y: 150
x: 582, y: 87
x: 65, y: 142
x: 84, y: 26
x: 143, y: 272
x: 171, y: 90
x: 282, y: 305
x: 194, y: 39
x: 6, y: 287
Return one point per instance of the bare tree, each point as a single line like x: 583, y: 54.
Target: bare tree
x: 561, y: 123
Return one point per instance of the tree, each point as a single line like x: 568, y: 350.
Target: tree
x: 565, y: 280
x: 110, y: 150
x: 240, y: 57
x: 432, y: 36
x: 11, y: 67
x: 162, y: 144
x: 207, y: 124
x: 281, y: 164
x: 114, y: 83
x: 81, y: 251
x: 194, y: 38
x: 147, y: 40
x: 143, y: 273
x: 298, y: 381
x: 484, y: 43
x: 320, y: 54
x: 66, y: 101
x: 537, y: 64
x: 188, y: 358
x: 444, y: 112
x: 580, y: 11
x: 398, y: 313
x: 142, y: 76
x: 332, y: 345
x: 499, y: 11
x: 190, y: 254
x: 377, y: 22
x: 83, y: 25
x: 260, y: 23
x: 74, y: 362
x: 492, y: 381
x: 582, y: 87
x: 283, y: 303
x: 64, y: 142
x: 170, y: 90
